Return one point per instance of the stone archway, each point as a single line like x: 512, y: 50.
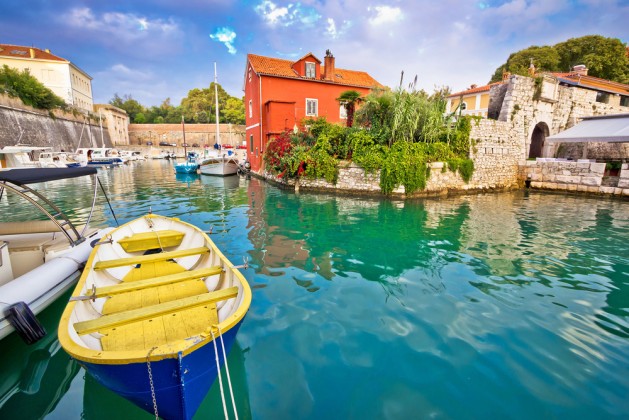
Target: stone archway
x: 540, y: 132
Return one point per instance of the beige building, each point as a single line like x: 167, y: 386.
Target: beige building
x: 473, y: 101
x: 116, y: 121
x: 65, y: 79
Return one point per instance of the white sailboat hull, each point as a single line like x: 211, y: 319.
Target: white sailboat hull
x: 219, y: 166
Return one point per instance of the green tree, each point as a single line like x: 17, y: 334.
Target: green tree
x: 234, y: 111
x: 604, y: 57
x: 139, y: 118
x: 349, y: 99
x: 544, y: 58
x: 130, y: 105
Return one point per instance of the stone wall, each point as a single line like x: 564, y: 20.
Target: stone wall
x: 495, y: 168
x: 22, y: 124
x: 581, y: 176
x: 557, y: 107
x: 201, y: 134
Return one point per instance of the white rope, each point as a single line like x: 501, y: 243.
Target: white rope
x: 229, y: 381
x: 218, y: 372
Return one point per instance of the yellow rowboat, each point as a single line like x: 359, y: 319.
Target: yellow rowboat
x: 155, y: 313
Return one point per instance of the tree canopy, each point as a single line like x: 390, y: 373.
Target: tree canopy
x: 604, y: 57
x: 198, y: 107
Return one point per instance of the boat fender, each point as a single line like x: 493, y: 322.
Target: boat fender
x: 25, y: 322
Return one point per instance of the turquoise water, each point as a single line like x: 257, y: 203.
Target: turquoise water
x: 511, y: 305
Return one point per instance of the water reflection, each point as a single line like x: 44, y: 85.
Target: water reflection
x: 34, y: 378
x: 503, y: 305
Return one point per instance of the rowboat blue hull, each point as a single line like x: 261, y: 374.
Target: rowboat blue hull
x: 180, y: 384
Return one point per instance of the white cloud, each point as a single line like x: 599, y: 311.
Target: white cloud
x: 123, y: 26
x: 121, y: 71
x: 283, y: 16
x: 226, y: 36
x: 385, y: 14
x: 331, y: 29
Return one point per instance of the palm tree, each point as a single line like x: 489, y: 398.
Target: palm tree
x: 349, y: 99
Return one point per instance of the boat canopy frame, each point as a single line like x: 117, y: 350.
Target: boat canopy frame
x: 16, y: 180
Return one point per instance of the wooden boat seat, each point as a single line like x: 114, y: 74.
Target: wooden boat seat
x: 144, y: 241
x: 150, y: 258
x: 133, y: 286
x: 153, y: 311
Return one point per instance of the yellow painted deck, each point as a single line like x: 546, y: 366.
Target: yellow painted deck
x: 151, y: 240
x: 143, y: 317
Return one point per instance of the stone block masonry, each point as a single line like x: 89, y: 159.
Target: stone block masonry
x: 201, y: 134
x: 580, y: 176
x: 62, y: 131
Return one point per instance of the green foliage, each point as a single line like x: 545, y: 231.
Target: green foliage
x: 198, y: 107
x: 539, y: 82
x: 130, y: 105
x: 139, y: 118
x: 604, y: 57
x: 349, y: 99
x: 464, y: 166
x: 30, y: 91
x: 544, y: 58
x: 316, y: 153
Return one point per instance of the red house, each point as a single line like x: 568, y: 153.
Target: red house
x: 279, y: 94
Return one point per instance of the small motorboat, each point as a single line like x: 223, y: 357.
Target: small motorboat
x: 39, y: 259
x: 155, y: 313
x: 219, y: 165
x: 190, y: 166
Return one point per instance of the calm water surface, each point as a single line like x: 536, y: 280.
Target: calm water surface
x: 511, y: 305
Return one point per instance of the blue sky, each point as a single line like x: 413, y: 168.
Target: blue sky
x: 154, y: 50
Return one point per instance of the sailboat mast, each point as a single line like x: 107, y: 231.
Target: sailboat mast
x: 218, y: 133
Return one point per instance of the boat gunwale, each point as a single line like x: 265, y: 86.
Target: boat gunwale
x: 170, y: 350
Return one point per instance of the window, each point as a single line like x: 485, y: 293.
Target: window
x: 311, y: 107
x: 250, y: 109
x: 251, y: 143
x: 624, y: 101
x: 602, y: 97
x: 310, y: 70
x: 343, y: 111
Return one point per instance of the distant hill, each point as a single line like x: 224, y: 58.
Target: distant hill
x: 607, y: 58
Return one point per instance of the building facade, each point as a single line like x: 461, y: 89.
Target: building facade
x: 117, y: 122
x: 59, y: 75
x: 472, y: 101
x: 280, y: 94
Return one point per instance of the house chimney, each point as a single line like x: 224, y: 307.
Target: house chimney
x: 581, y: 70
x: 474, y: 86
x: 328, y: 71
x: 47, y: 50
x: 32, y: 51
x: 505, y: 75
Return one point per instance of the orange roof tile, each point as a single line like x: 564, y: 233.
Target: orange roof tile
x: 17, y: 51
x: 477, y: 89
x: 283, y: 68
x: 591, y: 82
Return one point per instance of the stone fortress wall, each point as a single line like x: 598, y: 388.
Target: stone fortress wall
x: 201, y: 134
x: 59, y: 130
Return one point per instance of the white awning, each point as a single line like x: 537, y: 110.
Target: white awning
x: 605, y: 128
